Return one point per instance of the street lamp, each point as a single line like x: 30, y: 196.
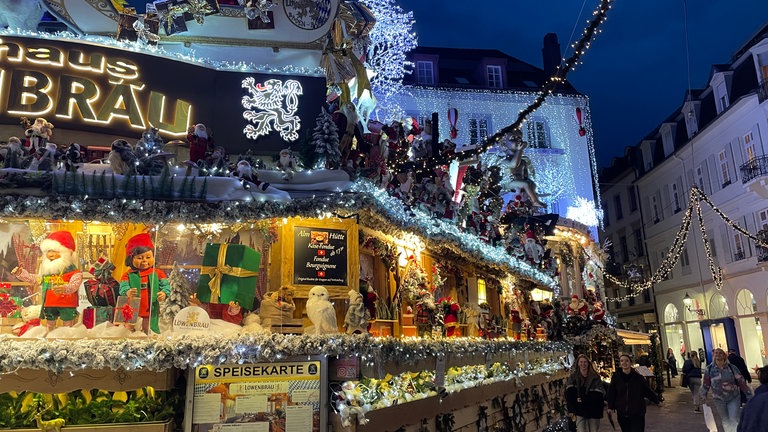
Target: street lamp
x: 688, y: 302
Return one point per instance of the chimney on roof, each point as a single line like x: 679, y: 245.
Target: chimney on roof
x: 551, y: 54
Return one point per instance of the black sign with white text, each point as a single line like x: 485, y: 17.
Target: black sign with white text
x: 319, y: 256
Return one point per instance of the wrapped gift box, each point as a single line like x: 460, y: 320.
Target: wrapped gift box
x: 173, y: 15
x: 229, y: 272
x: 147, y: 30
x: 103, y: 289
x: 11, y: 298
x: 95, y: 315
x: 127, y: 310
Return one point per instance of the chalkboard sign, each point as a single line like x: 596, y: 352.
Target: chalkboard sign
x: 319, y: 256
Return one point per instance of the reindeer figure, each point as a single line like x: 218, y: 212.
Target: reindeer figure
x: 54, y: 425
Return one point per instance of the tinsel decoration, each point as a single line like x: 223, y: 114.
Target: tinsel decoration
x: 157, y: 354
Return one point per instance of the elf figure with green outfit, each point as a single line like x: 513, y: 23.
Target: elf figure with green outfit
x: 144, y: 281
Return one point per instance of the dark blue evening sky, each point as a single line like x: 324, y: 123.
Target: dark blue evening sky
x: 636, y: 72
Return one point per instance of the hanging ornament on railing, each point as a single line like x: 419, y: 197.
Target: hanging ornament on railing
x: 453, y: 117
x: 582, y: 131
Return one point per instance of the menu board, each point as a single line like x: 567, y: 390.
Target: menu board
x: 262, y: 397
x: 319, y: 256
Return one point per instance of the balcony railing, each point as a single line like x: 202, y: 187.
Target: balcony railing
x: 757, y: 167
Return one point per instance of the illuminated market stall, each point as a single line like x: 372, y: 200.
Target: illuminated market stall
x: 305, y: 277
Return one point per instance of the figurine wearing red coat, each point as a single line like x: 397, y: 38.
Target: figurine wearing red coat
x: 200, y: 142
x: 451, y: 315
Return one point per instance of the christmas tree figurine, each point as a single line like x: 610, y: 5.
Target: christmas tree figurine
x: 325, y: 140
x: 179, y: 296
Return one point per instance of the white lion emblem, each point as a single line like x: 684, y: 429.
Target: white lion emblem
x: 268, y: 98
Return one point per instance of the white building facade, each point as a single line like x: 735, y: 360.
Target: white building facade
x: 488, y: 89
x: 717, y: 141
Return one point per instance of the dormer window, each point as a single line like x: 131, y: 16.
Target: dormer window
x: 667, y: 141
x: 493, y: 74
x: 720, y: 83
x: 721, y: 95
x: 425, y: 72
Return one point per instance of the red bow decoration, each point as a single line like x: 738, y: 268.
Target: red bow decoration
x: 582, y: 131
x: 453, y: 117
x: 28, y: 325
x: 7, y: 306
x: 127, y: 312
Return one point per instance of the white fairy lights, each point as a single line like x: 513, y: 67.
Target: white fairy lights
x: 391, y: 39
x: 676, y: 249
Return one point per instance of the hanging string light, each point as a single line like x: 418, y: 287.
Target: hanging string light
x: 717, y: 274
x: 696, y: 196
x: 549, y: 87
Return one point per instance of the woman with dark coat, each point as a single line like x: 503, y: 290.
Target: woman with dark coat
x: 692, y: 373
x: 585, y: 395
x: 626, y: 396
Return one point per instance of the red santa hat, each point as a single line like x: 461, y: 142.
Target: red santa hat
x: 59, y: 241
x: 138, y: 240
x: 530, y: 235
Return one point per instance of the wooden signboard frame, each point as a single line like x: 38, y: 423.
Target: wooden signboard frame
x: 349, y: 226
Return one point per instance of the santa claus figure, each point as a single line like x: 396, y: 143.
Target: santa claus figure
x: 59, y: 279
x: 287, y: 164
x: 200, y: 142
x: 533, y: 250
x: 369, y: 299
x: 577, y: 307
x: 598, y: 313
x: 450, y: 311
x: 515, y: 322
x: 425, y: 311
x: 38, y: 134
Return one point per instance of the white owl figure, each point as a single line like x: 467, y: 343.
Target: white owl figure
x: 321, y: 312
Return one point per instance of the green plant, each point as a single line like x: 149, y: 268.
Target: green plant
x: 18, y: 410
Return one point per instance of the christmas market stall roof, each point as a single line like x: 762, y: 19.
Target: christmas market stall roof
x: 374, y: 208
x: 633, y: 337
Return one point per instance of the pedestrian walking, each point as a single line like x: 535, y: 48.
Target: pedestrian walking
x: 585, y: 395
x: 672, y: 362
x: 726, y: 383
x: 762, y: 376
x: 626, y: 396
x: 736, y: 360
x: 692, y: 375
x: 754, y: 415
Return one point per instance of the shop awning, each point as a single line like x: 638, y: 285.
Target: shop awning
x: 634, y: 338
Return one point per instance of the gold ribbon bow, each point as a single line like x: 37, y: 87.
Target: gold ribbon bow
x: 199, y: 9
x: 221, y: 269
